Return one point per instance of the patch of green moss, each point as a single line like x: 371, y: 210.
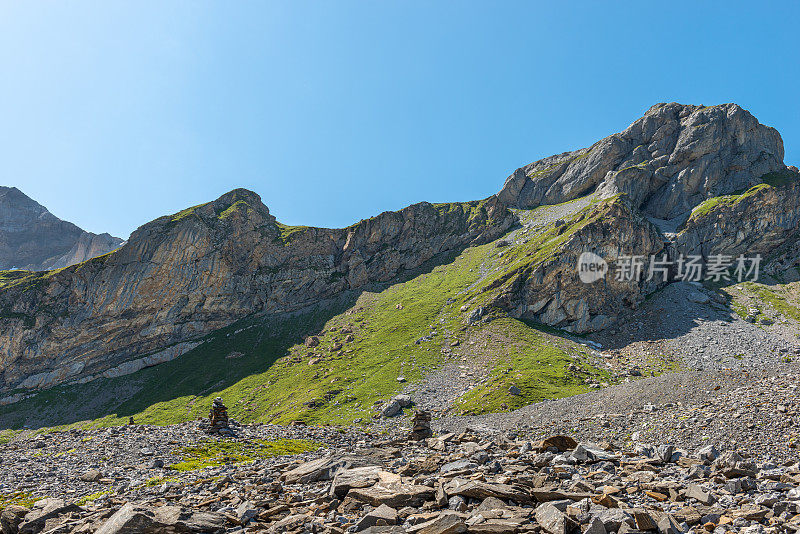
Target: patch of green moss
x: 236, y: 207
x: 710, y: 204
x: 9, y: 278
x: 91, y: 497
x: 289, y: 233
x: 186, y: 213
x: 22, y: 279
x: 739, y: 308
x: 212, y: 453
x: 19, y: 498
x: 661, y: 364
x: 8, y: 435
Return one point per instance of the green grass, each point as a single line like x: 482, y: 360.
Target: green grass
x: 533, y: 361
x: 211, y: 453
x: 237, y: 207
x: 11, y: 278
x: 23, y: 279
x: 8, y: 435
x: 519, y: 260
x: 186, y: 213
x: 783, y: 298
x: 708, y: 205
x: 739, y: 308
x: 661, y: 364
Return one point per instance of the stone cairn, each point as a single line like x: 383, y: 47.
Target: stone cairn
x: 218, y: 418
x: 422, y: 426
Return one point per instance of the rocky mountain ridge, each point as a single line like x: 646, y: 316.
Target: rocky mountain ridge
x: 182, y: 276
x: 31, y: 238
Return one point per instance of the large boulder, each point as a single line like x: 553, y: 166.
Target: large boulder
x: 133, y: 519
x: 11, y: 517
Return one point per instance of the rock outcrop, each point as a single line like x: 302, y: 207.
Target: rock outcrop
x: 667, y: 162
x: 547, y: 288
x: 182, y: 276
x: 32, y: 238
x: 763, y: 220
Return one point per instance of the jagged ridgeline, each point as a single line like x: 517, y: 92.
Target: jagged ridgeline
x: 318, y: 324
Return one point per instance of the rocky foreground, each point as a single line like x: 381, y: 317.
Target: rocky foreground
x: 718, y: 457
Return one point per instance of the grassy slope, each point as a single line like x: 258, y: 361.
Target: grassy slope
x: 784, y: 298
x: 534, y: 361
x: 773, y: 179
x: 265, y: 373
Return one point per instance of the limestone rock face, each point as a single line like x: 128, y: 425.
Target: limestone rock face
x: 33, y: 238
x: 551, y: 291
x: 668, y: 161
x: 182, y: 276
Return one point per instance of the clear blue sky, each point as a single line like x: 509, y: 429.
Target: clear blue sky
x: 114, y: 113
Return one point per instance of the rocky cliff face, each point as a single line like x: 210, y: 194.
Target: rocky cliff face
x: 180, y: 277
x: 551, y: 291
x: 34, y: 239
x: 667, y: 162
x: 714, y: 172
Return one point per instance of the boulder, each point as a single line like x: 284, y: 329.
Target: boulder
x: 554, y: 520
x: 92, y: 475
x: 394, y: 495
x: 315, y: 470
x: 10, y: 518
x: 391, y: 408
x: 381, y: 516
x: 360, y: 477
x: 446, y: 523
x: 137, y: 519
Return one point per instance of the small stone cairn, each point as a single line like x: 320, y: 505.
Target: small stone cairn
x: 422, y: 426
x: 218, y: 418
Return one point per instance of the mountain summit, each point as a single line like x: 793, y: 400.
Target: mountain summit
x: 667, y: 162
x: 32, y: 238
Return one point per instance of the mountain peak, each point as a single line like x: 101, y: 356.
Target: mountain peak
x: 33, y: 238
x: 246, y: 196
x: 668, y: 161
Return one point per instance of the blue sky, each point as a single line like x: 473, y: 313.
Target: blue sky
x: 114, y: 113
